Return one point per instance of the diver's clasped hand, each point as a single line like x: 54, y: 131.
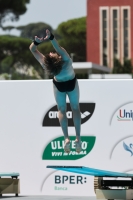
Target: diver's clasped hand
x: 38, y: 40
x: 49, y: 36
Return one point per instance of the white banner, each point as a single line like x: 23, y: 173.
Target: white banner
x: 31, y: 137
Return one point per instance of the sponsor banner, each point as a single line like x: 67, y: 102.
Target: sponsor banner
x: 51, y: 117
x: 55, y: 149
x: 31, y: 137
x: 64, y: 183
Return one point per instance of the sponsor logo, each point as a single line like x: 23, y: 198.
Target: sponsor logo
x: 62, y: 181
x: 128, y: 148
x: 51, y: 117
x: 65, y: 180
x: 70, y: 179
x: 123, y: 147
x: 55, y: 149
x: 123, y: 114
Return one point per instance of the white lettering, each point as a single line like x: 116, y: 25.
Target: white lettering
x: 51, y: 114
x: 84, y: 145
x: 56, y: 153
x: 59, y: 145
x: 53, y: 145
x: 73, y: 144
x: 54, y: 114
x: 75, y: 153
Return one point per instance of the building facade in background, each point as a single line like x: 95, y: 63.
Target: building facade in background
x: 109, y: 31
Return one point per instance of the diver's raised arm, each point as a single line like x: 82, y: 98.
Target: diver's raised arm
x: 37, y: 54
x: 60, y: 50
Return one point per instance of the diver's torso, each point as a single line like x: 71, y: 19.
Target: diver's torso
x: 67, y: 72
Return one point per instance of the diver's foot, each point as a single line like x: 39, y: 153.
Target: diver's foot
x: 78, y: 147
x: 67, y: 146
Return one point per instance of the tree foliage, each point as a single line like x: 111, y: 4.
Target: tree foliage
x: 16, y: 58
x: 125, y: 68
x: 30, y: 30
x: 8, y: 28
x: 73, y: 37
x: 11, y: 9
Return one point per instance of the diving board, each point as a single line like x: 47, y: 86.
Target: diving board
x: 9, y: 183
x: 104, y: 188
x: 90, y: 171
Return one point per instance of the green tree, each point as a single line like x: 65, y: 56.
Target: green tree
x: 6, y: 63
x: 9, y: 28
x: 73, y: 37
x: 125, y: 68
x: 46, y: 47
x: 16, y: 58
x: 30, y: 30
x: 117, y: 67
x: 11, y: 10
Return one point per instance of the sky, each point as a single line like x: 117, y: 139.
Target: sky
x: 52, y: 12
